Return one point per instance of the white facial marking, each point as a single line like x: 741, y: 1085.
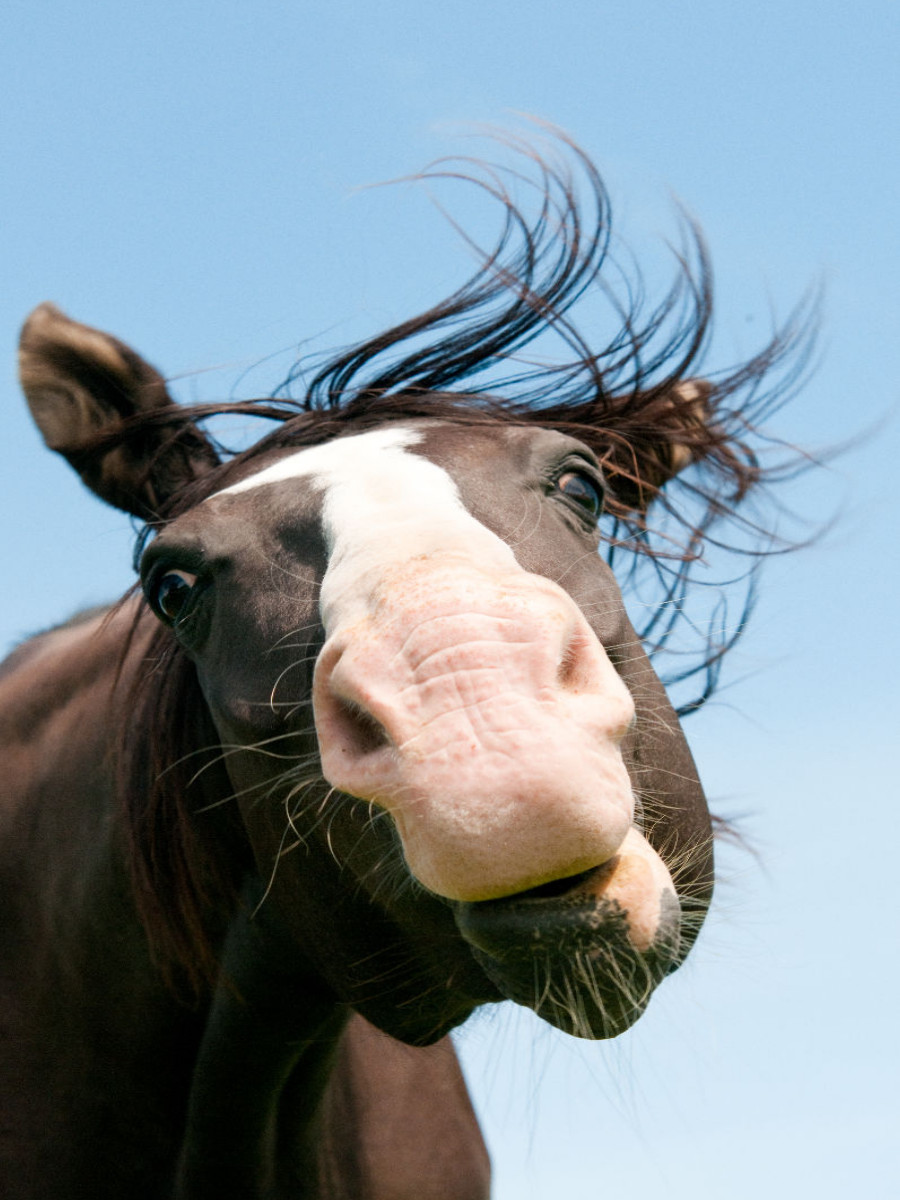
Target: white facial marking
x: 383, y: 507
x: 329, y: 457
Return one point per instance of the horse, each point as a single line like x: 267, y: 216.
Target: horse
x: 374, y: 743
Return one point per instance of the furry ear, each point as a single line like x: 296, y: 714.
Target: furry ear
x: 87, y: 392
x: 663, y: 434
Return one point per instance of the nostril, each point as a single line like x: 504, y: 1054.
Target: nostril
x: 566, y: 668
x: 575, y: 671
x: 359, y: 731
x: 584, y: 670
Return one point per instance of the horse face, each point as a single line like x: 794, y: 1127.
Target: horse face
x: 417, y: 615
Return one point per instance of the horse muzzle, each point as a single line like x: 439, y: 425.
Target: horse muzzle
x: 479, y: 709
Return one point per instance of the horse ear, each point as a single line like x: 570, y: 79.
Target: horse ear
x: 673, y: 428
x: 691, y: 416
x: 85, y: 387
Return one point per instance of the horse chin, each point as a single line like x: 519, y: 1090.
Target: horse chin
x: 571, y: 956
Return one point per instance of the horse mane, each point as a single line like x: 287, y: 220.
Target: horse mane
x: 463, y: 359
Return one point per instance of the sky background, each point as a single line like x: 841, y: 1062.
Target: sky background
x: 192, y: 177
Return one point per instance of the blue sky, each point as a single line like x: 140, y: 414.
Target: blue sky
x: 192, y: 177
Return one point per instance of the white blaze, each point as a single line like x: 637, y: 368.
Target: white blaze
x: 383, y: 507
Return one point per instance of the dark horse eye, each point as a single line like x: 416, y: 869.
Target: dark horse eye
x: 583, y: 490
x: 169, y: 595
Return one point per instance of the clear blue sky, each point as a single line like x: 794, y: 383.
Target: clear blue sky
x: 187, y: 175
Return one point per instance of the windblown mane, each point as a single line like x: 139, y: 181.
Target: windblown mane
x: 464, y: 359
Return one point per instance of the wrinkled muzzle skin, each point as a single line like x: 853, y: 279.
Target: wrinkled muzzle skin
x: 481, y: 712
x: 508, y: 725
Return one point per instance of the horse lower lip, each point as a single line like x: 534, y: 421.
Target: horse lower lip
x: 577, y: 939
x: 530, y: 922
x: 571, y: 914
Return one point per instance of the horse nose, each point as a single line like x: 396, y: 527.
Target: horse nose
x: 357, y: 734
x: 366, y: 673
x: 483, y: 714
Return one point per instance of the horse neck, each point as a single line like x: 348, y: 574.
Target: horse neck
x: 268, y: 1049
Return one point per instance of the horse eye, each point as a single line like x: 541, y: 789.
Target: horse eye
x: 170, y: 594
x: 583, y: 490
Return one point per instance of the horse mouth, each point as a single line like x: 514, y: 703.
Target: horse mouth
x: 566, y: 950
